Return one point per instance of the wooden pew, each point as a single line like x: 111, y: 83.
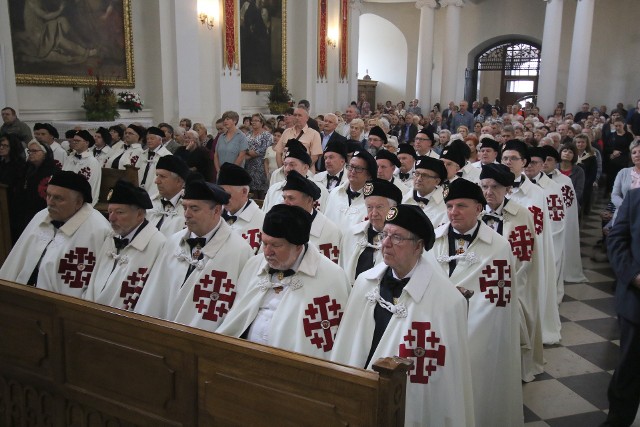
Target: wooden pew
x: 5, y: 229
x: 68, y: 362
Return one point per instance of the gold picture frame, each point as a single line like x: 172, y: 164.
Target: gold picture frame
x: 256, y: 49
x: 49, y: 51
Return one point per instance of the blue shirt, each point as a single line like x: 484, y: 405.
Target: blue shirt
x: 228, y: 151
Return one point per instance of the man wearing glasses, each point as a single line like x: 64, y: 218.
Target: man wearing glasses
x: 423, y: 144
x: 427, y: 192
x: 406, y: 306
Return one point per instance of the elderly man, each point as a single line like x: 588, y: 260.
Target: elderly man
x: 12, y: 125
x: 414, y: 108
x: 196, y: 278
x: 424, y: 144
x: 335, y: 160
x: 488, y: 152
x: 324, y: 234
x: 350, y: 114
x: 329, y: 136
x: 345, y: 204
x: 125, y: 261
x: 292, y: 297
x: 361, y: 244
x: 149, y: 160
x: 477, y: 258
x: 463, y: 117
x: 387, y: 164
x: 427, y: 192
x: 131, y: 150
x: 45, y: 133
x: 167, y: 214
x: 82, y: 162
x: 405, y: 306
x: 376, y: 140
x: 515, y: 223
x: 453, y: 158
x: 303, y: 133
x: 407, y: 156
x: 295, y: 158
x: 168, y: 140
x: 241, y: 213
x: 57, y: 251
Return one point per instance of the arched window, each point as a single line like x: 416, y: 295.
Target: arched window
x: 508, y: 71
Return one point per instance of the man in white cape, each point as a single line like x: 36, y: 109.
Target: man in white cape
x: 126, y: 259
x: 196, y: 279
x: 407, y: 307
x: 82, y: 162
x: 335, y: 173
x: 427, y: 192
x: 130, y: 151
x: 167, y: 213
x: 149, y: 160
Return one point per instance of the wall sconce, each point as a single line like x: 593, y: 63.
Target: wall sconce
x: 207, y: 13
x: 332, y: 37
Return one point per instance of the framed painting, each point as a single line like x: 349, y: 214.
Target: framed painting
x: 63, y: 43
x: 263, y: 43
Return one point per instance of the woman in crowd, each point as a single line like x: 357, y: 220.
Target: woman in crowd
x: 232, y: 144
x: 196, y: 156
x: 463, y: 130
x: 588, y: 162
x: 259, y: 140
x: 477, y: 127
x: 205, y: 140
x: 356, y: 129
x: 388, y: 107
x: 619, y: 158
x: 568, y: 160
x: 12, y: 167
x: 472, y: 143
x: 628, y: 178
x: 270, y: 163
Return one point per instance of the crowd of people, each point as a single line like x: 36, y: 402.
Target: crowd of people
x: 444, y: 237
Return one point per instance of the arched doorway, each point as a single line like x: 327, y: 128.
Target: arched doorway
x: 508, y: 71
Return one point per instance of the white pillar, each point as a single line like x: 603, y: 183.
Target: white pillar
x: 424, y: 74
x: 355, y: 10
x: 450, y: 74
x: 580, y: 52
x: 187, y: 52
x: 550, y: 54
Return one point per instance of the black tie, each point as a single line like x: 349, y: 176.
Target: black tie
x: 460, y: 174
x: 151, y: 155
x: 120, y: 243
x: 516, y: 184
x: 96, y: 152
x: 467, y: 237
x: 352, y: 195
x: 57, y: 224
x: 533, y: 180
x: 282, y: 273
x: 146, y: 168
x: 550, y: 175
x: 419, y: 199
x: 78, y: 156
x: 194, y: 242
x: 404, y: 176
x: 166, y: 203
x: 333, y: 178
x: 228, y: 217
x: 366, y: 258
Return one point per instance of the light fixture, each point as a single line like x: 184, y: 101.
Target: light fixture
x: 207, y: 13
x: 206, y: 20
x: 332, y: 37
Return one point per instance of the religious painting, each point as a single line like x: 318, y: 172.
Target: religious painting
x: 263, y: 43
x: 70, y: 43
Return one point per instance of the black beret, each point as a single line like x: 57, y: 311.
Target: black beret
x: 155, y: 131
x: 537, y: 152
x: 337, y: 147
x: 353, y: 146
x: 86, y: 135
x: 297, y: 182
x: 48, y: 127
x: 519, y: 146
x: 201, y: 190
x: 104, y: 133
x: 500, y: 173
x: 489, y: 143
x: 405, y: 148
x: 377, y: 131
x: 288, y: 222
x: 137, y: 129
x: 174, y: 164
x: 295, y: 143
x: 117, y: 128
x: 455, y: 153
x: 73, y: 181
x: 388, y: 155
x: 125, y: 193
x: 550, y: 151
x: 232, y: 174
x: 382, y: 188
x: 372, y: 166
x: 435, y: 165
x: 413, y: 219
x: 426, y: 131
x: 464, y: 189
x: 293, y: 150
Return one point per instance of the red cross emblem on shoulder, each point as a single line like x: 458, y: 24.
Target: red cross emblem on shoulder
x: 76, y: 266
x: 134, y: 160
x: 321, y: 321
x: 132, y: 287
x: 214, y: 295
x: 555, y: 205
x: 496, y: 282
x: 521, y: 241
x: 330, y: 251
x: 568, y: 195
x: 254, y: 238
x: 422, y: 345
x: 85, y: 173
x: 538, y: 218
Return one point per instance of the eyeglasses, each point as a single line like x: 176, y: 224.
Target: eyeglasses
x: 395, y: 239
x: 4, y: 145
x: 421, y: 139
x: 34, y: 151
x: 356, y: 169
x: 424, y: 175
x: 511, y: 158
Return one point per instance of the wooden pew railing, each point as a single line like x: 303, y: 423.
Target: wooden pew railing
x: 68, y: 362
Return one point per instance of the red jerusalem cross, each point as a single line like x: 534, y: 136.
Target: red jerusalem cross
x: 538, y: 218
x: 76, y: 266
x: 85, y: 173
x: 330, y: 251
x: 131, y: 288
x: 521, y: 243
x: 568, y: 195
x: 254, y: 238
x: 214, y: 295
x: 425, y: 349
x: 497, y: 281
x: 555, y: 205
x: 321, y: 316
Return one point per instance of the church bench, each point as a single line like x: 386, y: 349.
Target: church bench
x: 68, y: 362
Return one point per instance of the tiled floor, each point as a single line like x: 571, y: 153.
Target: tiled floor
x: 572, y: 392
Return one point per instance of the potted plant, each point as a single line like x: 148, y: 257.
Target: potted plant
x: 131, y: 101
x: 100, y: 102
x: 279, y: 98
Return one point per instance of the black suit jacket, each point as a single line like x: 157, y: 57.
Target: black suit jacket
x: 623, y: 246
x: 408, y: 136
x: 335, y: 137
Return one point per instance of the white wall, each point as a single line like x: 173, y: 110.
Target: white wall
x: 382, y: 51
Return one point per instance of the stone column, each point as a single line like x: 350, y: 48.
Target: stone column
x: 450, y: 76
x: 580, y: 53
x: 548, y: 82
x: 424, y: 75
x: 355, y: 10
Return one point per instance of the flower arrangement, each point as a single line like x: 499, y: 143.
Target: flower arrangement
x: 99, y: 101
x: 130, y: 100
x: 279, y: 98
